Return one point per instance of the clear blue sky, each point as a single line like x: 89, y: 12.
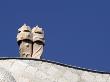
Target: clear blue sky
x: 77, y: 31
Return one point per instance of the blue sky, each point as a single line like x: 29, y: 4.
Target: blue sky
x: 77, y: 32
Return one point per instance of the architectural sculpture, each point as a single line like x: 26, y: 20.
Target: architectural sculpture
x: 30, y: 43
x: 38, y: 42
x: 24, y: 39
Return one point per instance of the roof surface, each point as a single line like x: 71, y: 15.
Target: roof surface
x: 37, y: 70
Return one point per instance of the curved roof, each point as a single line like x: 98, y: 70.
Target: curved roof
x: 37, y: 70
x: 58, y: 63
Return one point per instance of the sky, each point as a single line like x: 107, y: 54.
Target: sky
x: 77, y: 32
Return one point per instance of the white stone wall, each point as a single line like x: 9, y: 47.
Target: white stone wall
x: 16, y: 70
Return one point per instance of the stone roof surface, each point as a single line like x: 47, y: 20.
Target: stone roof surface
x: 36, y: 70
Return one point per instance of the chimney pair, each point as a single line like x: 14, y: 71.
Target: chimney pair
x: 31, y: 42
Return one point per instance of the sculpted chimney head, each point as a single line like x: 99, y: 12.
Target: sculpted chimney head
x: 24, y: 32
x: 38, y: 30
x: 38, y: 34
x: 24, y: 28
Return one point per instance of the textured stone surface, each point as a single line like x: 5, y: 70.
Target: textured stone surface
x: 5, y: 76
x: 24, y: 70
x: 31, y: 42
x: 24, y: 40
x: 38, y: 42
